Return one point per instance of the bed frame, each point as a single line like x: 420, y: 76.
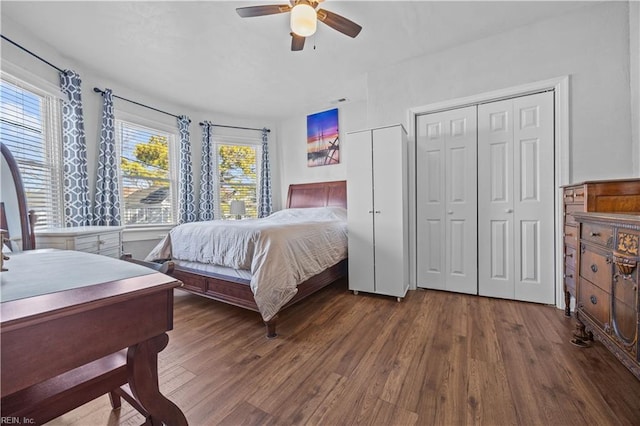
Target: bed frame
x: 238, y: 292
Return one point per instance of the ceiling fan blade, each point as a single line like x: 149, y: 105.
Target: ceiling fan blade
x: 270, y: 9
x: 339, y: 23
x: 297, y: 42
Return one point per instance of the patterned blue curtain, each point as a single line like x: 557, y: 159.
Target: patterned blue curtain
x: 264, y: 209
x: 106, y: 209
x: 77, y: 206
x: 186, y: 197
x: 207, y: 176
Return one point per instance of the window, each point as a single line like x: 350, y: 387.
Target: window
x: 238, y: 176
x: 30, y: 127
x: 148, y: 184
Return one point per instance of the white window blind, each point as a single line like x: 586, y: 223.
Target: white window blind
x: 30, y: 127
x: 238, y: 176
x: 147, y: 172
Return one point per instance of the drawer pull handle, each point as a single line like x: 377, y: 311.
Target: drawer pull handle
x: 594, y: 300
x: 568, y: 275
x: 595, y: 234
x: 594, y: 268
x: 568, y: 254
x: 568, y: 234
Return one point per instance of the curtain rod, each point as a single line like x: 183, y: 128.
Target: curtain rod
x: 237, y: 127
x: 31, y: 53
x: 97, y: 90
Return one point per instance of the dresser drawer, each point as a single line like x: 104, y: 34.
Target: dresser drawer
x: 569, y: 257
x: 571, y: 235
x: 570, y: 280
x: 594, y: 302
x: 110, y: 239
x: 104, y: 240
x: 568, y: 195
x: 596, y: 267
x: 568, y: 210
x: 574, y: 195
x: 578, y: 194
x: 87, y: 244
x: 599, y: 234
x: 111, y: 252
x: 99, y: 243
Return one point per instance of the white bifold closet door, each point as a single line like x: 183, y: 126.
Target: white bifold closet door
x: 516, y: 199
x: 485, y: 199
x: 447, y: 201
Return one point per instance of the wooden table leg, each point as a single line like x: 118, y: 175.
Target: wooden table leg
x: 142, y: 369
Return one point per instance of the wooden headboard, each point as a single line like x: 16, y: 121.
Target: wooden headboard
x: 318, y: 194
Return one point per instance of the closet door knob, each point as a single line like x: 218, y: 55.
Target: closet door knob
x: 508, y: 210
x: 450, y: 212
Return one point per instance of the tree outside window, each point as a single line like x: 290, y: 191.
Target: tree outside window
x: 146, y: 179
x: 237, y: 177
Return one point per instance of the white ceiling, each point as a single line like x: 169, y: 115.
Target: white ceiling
x: 203, y: 56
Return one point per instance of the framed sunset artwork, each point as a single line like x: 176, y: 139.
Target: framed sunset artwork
x: 323, y: 138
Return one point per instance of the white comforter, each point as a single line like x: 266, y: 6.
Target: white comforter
x: 281, y: 251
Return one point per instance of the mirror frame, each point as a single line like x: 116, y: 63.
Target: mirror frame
x: 27, y: 218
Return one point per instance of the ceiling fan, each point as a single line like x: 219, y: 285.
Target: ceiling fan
x: 304, y: 17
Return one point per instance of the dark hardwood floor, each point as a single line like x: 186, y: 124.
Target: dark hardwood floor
x: 435, y: 358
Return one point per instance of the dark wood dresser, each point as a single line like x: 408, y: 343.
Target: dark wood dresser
x: 622, y: 195
x: 608, y: 307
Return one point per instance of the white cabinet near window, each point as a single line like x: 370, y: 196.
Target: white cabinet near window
x: 104, y: 240
x: 377, y: 209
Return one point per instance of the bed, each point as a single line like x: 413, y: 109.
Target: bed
x: 235, y: 287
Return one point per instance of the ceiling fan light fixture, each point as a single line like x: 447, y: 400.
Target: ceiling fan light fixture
x: 304, y: 20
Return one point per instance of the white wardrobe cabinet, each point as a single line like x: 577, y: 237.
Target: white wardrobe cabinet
x: 377, y: 200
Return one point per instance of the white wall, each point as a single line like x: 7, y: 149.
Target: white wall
x: 634, y: 77
x: 590, y: 44
x: 293, y: 146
